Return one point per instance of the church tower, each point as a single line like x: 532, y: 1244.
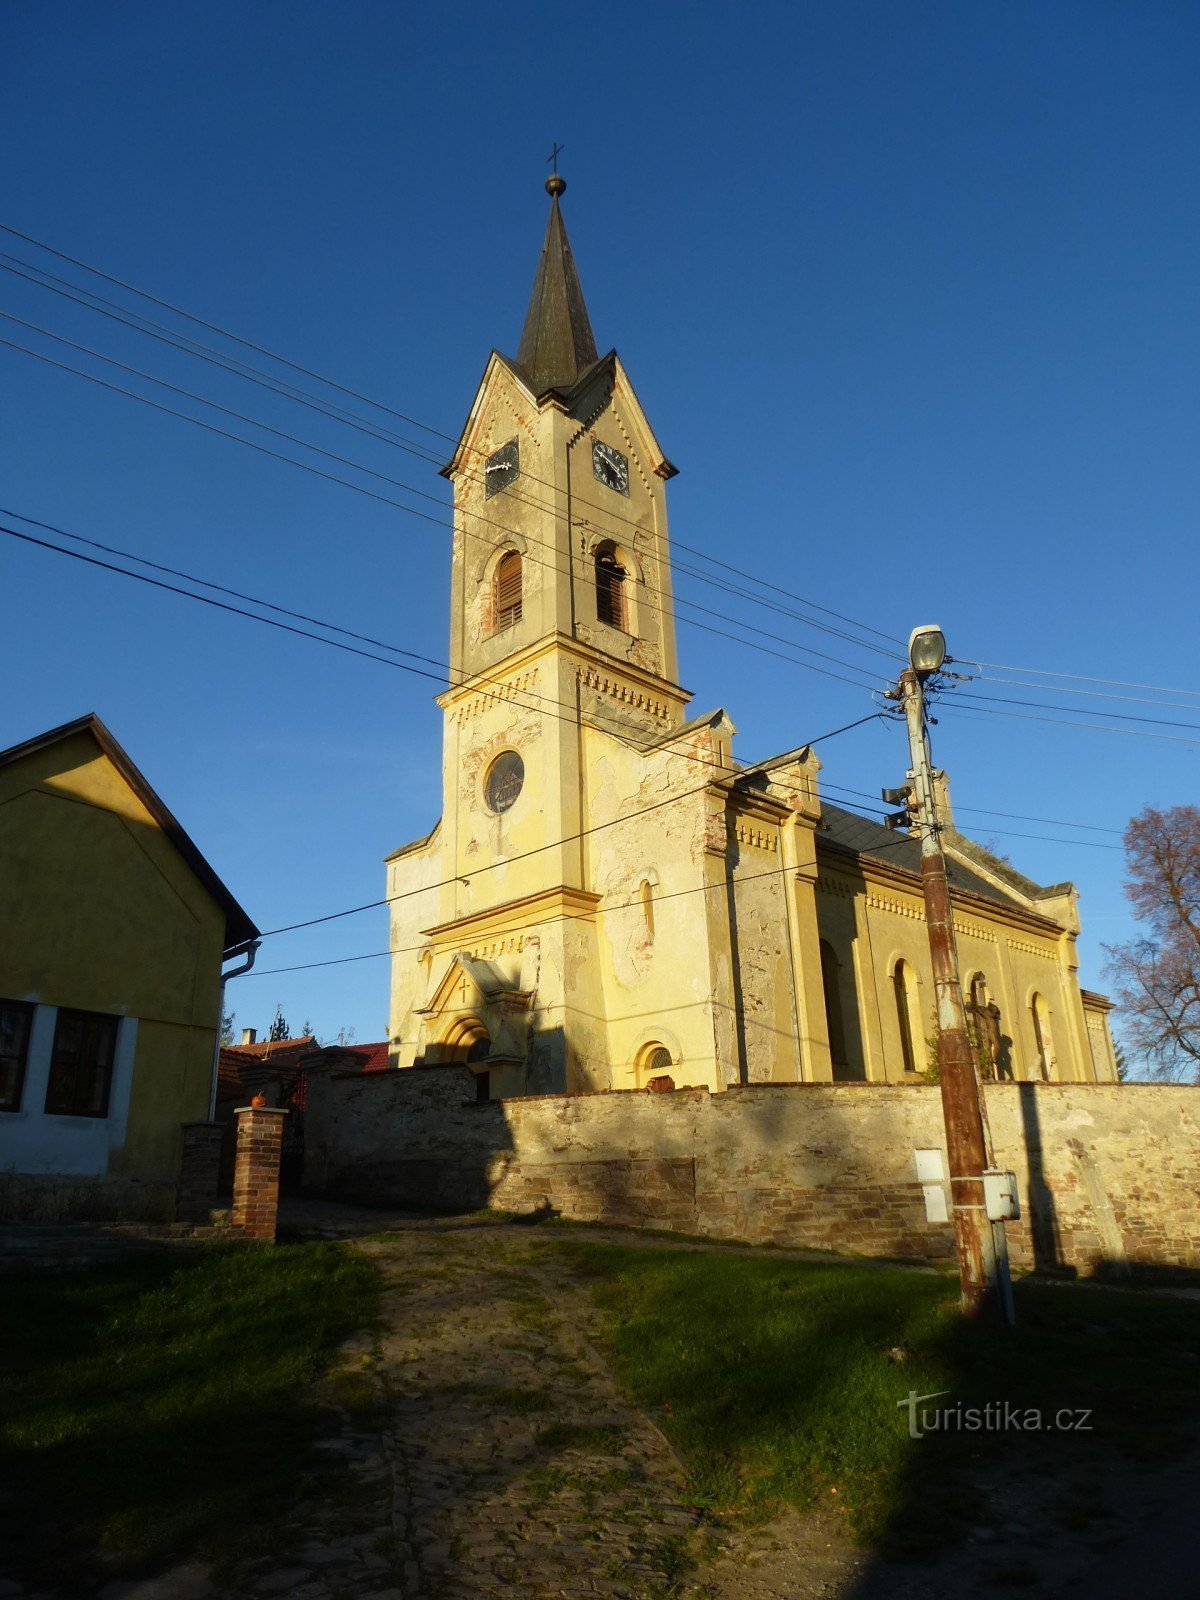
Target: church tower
x: 561, y: 635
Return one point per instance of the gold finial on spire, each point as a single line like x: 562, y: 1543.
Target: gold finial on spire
x: 554, y: 184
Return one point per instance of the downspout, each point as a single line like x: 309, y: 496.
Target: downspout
x: 249, y: 950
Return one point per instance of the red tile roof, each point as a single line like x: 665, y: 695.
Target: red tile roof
x: 376, y: 1056
x: 274, y: 1050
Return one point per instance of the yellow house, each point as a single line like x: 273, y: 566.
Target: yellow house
x: 609, y: 896
x: 113, y: 928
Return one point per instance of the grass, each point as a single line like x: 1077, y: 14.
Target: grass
x: 159, y: 1408
x: 779, y: 1382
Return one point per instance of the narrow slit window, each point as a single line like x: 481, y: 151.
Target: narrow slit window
x: 508, y: 581
x: 648, y: 906
x: 903, y: 989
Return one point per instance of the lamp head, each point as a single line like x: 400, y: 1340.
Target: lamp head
x: 926, y: 649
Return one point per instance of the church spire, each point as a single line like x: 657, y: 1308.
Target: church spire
x: 557, y: 344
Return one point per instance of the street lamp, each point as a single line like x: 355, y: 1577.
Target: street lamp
x: 926, y: 649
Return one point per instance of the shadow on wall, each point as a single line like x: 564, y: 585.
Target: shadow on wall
x: 837, y: 934
x: 1045, y: 1239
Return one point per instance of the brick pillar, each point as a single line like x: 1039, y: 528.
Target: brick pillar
x: 199, y: 1171
x: 256, y: 1172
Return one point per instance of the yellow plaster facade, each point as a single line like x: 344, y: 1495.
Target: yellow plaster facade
x: 643, y: 905
x: 106, y: 908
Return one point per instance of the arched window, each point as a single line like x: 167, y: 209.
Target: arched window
x: 610, y: 588
x: 506, y: 596
x: 648, y: 906
x: 835, y: 1021
x: 653, y: 1061
x: 1042, y: 1039
x: 902, y: 985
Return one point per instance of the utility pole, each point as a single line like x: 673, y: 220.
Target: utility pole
x: 982, y: 1255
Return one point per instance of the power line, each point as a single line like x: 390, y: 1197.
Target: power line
x: 451, y: 439
x: 1067, y: 722
x: 437, y: 500
x: 360, y: 424
x: 419, y: 672
x: 597, y: 911
x: 305, y: 466
x: 1037, y: 705
x: 484, y: 683
x: 1080, y: 677
x: 425, y: 427
x: 1012, y: 816
x: 554, y: 844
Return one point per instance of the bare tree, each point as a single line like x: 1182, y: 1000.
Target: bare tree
x: 1157, y: 977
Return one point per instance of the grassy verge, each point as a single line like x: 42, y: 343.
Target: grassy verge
x: 782, y: 1382
x: 159, y: 1409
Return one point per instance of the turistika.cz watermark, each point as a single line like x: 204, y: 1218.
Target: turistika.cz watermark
x: 997, y: 1416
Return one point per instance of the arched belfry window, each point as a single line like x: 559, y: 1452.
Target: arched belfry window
x: 507, y: 584
x: 610, y: 588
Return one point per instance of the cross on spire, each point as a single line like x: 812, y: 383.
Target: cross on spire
x: 552, y: 158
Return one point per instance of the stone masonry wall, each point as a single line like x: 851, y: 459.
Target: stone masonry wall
x: 1108, y: 1173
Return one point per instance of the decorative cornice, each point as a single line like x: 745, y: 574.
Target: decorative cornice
x: 756, y: 838
x: 499, y: 692
x: 514, y: 916
x: 486, y: 681
x: 609, y: 685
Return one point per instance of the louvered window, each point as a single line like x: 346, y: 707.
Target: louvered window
x: 508, y: 591
x: 610, y: 589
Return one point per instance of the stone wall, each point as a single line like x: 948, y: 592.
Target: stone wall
x: 1108, y: 1173
x: 35, y: 1197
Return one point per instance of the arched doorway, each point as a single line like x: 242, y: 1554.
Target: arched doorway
x: 469, y: 1042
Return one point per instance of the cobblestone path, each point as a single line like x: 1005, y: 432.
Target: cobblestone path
x: 507, y: 1464
x: 519, y: 1466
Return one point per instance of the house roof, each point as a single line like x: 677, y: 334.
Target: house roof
x: 276, y: 1051
x: 847, y: 831
x: 239, y: 929
x: 376, y: 1056
x: 243, y: 1065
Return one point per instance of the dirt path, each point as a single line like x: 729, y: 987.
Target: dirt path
x: 494, y: 1455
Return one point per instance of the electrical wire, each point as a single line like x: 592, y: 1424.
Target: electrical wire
x: 610, y: 512
x: 419, y: 672
x: 1080, y: 677
x: 451, y: 439
x: 1012, y: 816
x: 305, y: 466
x: 337, y: 414
x: 482, y: 683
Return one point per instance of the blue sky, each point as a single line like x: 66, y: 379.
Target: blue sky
x: 908, y: 292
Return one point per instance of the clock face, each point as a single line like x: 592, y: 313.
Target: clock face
x: 610, y: 466
x: 502, y: 467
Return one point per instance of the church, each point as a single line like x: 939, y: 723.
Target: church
x: 609, y: 899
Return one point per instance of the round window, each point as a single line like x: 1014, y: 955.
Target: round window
x: 504, y: 779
